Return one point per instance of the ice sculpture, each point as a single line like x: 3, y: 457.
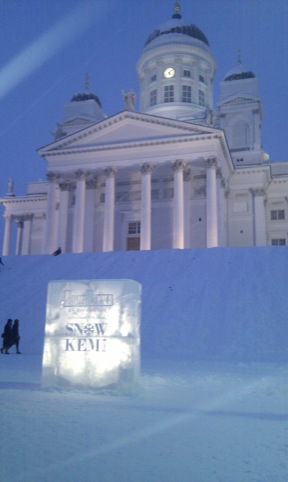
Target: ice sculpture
x: 92, y: 334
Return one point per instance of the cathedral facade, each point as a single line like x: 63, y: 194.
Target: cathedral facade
x: 178, y: 173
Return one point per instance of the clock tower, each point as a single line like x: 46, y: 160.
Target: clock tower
x: 176, y: 71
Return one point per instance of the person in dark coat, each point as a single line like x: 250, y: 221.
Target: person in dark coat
x: 7, y: 337
x: 15, y: 337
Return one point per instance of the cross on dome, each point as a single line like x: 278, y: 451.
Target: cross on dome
x: 87, y: 84
x: 87, y: 94
x: 177, y: 9
x: 239, y: 61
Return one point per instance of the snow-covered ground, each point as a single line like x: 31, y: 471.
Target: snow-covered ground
x: 212, y: 402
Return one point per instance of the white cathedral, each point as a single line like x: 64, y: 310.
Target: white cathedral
x: 177, y: 174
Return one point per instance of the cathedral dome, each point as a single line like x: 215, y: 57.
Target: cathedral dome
x: 177, y: 26
x: 86, y: 95
x: 239, y: 72
x: 176, y: 71
x: 81, y: 96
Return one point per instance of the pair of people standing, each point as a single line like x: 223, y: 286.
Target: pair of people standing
x: 11, y: 336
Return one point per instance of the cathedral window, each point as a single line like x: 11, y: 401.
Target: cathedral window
x: 169, y: 93
x: 277, y: 214
x: 154, y: 78
x: 186, y: 73
x: 278, y: 242
x: 201, y: 79
x: 134, y: 227
x: 133, y: 237
x: 153, y: 97
x: 201, y: 98
x: 186, y: 93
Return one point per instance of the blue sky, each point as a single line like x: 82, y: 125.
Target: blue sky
x: 47, y: 46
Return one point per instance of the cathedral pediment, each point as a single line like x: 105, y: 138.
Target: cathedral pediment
x: 126, y: 128
x: 237, y: 100
x: 77, y: 120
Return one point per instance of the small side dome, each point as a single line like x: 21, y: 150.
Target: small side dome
x: 239, y: 72
x: 85, y: 96
x: 83, y: 110
x: 177, y: 26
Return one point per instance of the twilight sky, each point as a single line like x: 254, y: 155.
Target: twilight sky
x: 47, y: 46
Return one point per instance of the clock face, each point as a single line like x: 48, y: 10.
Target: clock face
x: 168, y: 73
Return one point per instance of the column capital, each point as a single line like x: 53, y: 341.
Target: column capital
x: 92, y: 183
x: 19, y: 221
x: 258, y: 191
x: 65, y: 184
x: 81, y: 174
x: 52, y: 176
x: 146, y: 168
x: 179, y: 165
x: 211, y: 162
x: 111, y: 171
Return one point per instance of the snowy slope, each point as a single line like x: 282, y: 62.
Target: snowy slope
x: 226, y: 304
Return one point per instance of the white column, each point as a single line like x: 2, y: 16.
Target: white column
x: 43, y: 241
x: 50, y: 228
x: 109, y: 207
x: 145, y: 240
x: 259, y: 217
x: 79, y: 212
x: 225, y: 203
x: 63, y: 215
x: 7, y: 235
x: 222, y: 209
x: 187, y: 196
x: 19, y: 222
x: 212, y: 204
x: 27, y: 233
x: 91, y: 187
x: 178, y: 205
